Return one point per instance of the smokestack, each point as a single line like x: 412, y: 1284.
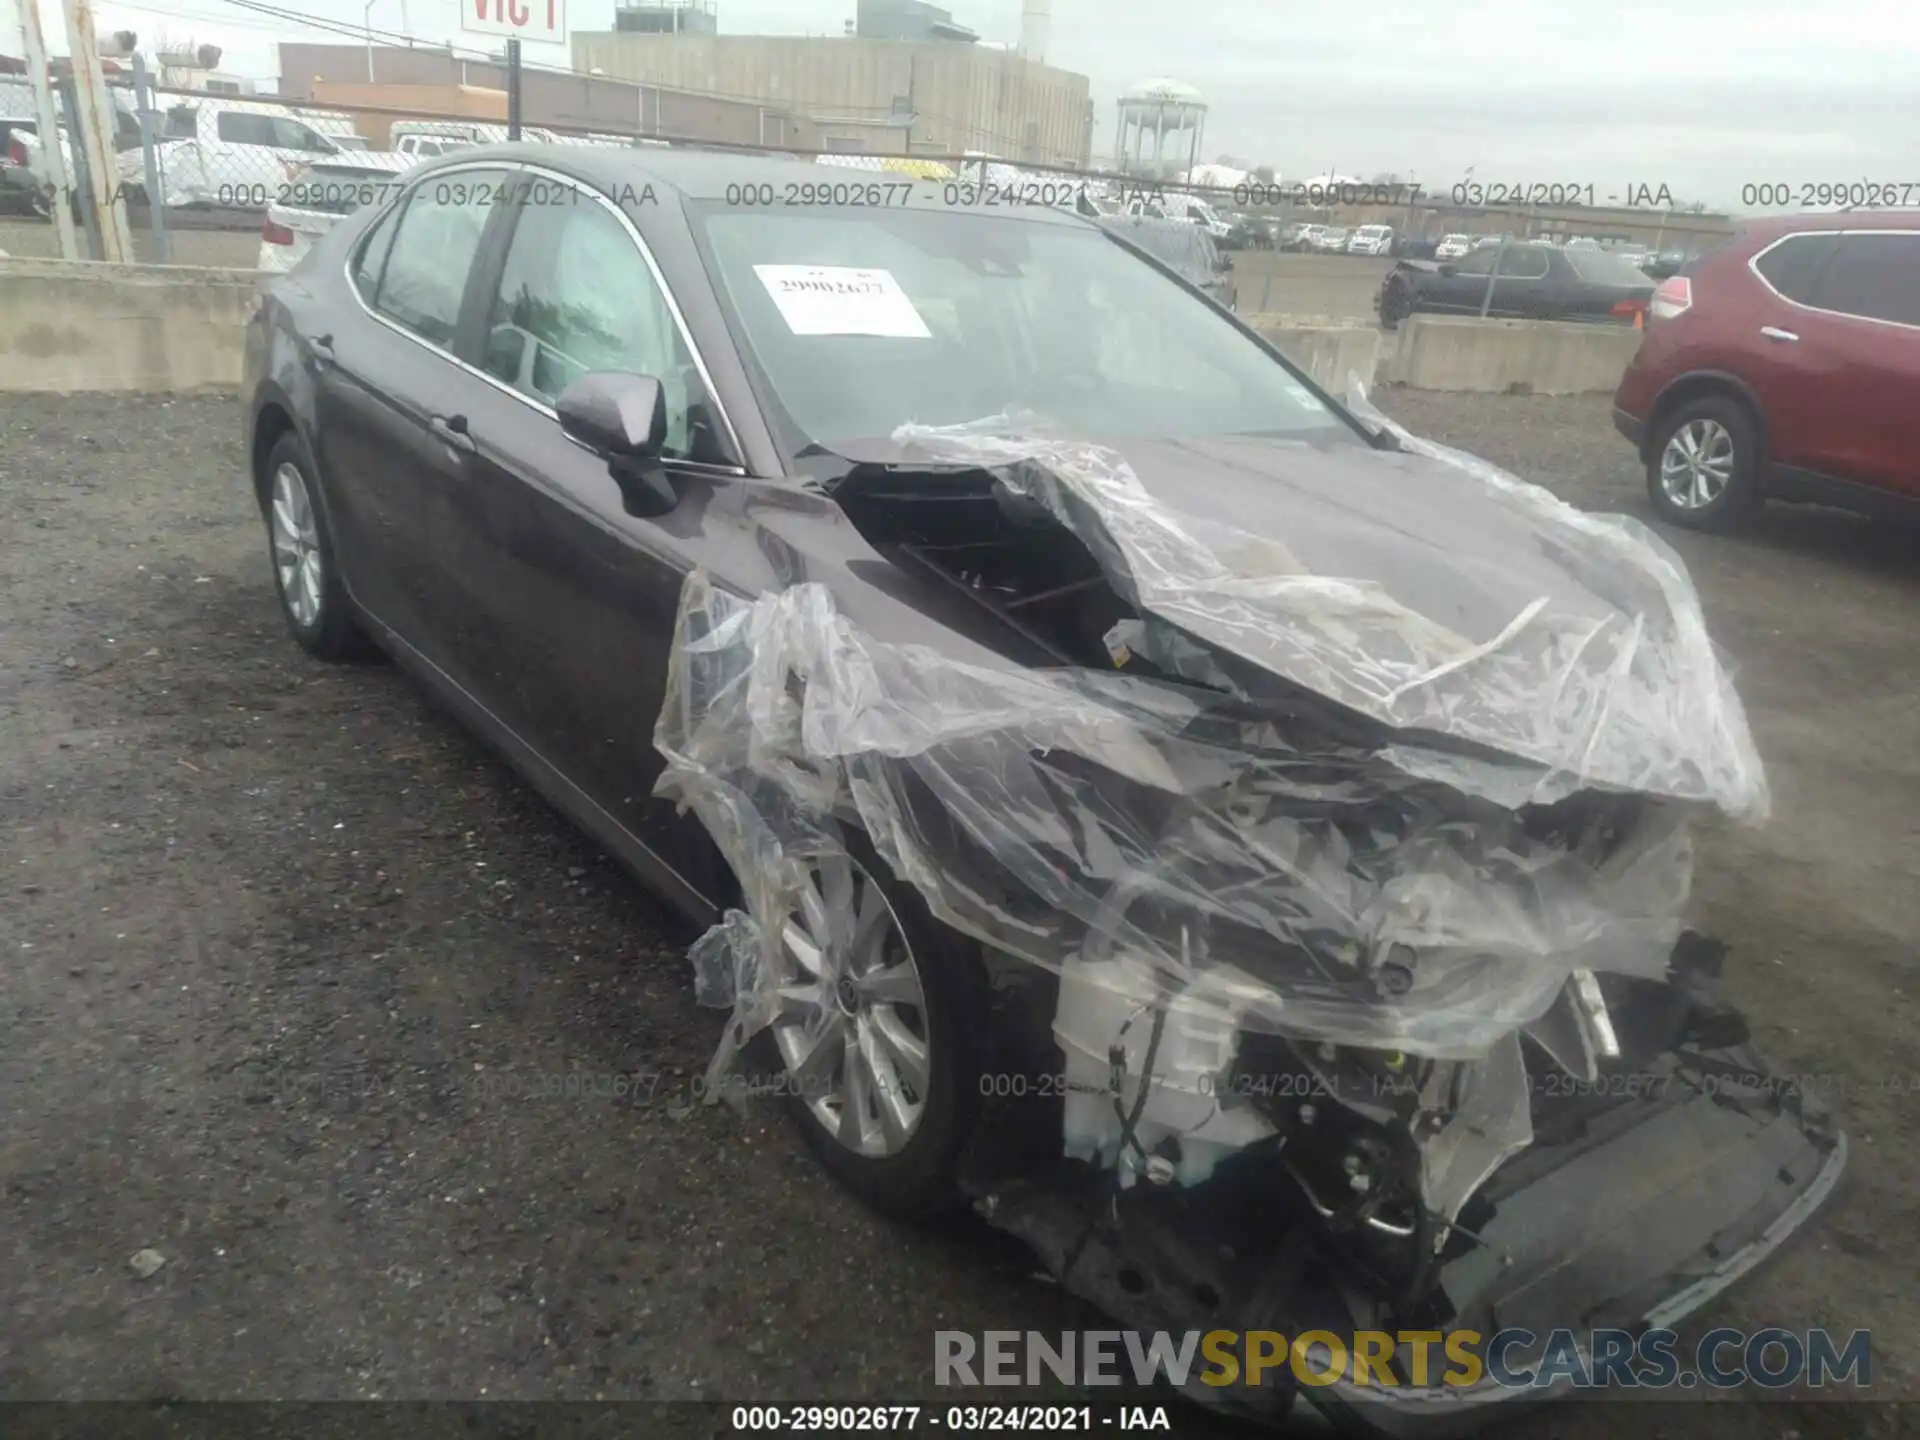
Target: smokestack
x: 1036, y: 16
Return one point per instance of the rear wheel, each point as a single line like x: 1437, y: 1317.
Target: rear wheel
x: 304, y: 573
x: 881, y: 1033
x: 1396, y: 304
x: 1703, y: 468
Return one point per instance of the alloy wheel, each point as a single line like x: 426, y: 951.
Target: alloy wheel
x: 296, y: 546
x: 852, y: 1022
x: 1697, y: 465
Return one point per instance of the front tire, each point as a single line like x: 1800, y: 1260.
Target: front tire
x: 300, y: 548
x: 882, y: 1034
x: 1703, y: 469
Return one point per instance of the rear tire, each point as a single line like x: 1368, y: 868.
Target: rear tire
x: 1703, y: 468
x: 300, y: 549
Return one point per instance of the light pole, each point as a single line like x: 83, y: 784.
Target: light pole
x: 366, y: 23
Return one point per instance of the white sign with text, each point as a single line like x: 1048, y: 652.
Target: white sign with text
x: 544, y: 21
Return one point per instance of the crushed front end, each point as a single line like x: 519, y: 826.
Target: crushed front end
x: 1338, y: 961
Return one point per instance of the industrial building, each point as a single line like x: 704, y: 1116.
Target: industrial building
x: 418, y: 80
x: 906, y: 78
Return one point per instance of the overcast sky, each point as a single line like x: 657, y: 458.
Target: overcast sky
x: 1701, y: 95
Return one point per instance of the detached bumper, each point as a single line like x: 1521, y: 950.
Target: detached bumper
x: 1688, y: 1204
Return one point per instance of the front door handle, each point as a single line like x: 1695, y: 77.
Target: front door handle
x: 322, y: 348
x: 1774, y: 332
x: 452, y: 430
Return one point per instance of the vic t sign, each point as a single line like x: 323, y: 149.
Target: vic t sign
x: 533, y: 20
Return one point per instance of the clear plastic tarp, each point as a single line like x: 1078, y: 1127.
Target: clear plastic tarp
x: 1239, y: 859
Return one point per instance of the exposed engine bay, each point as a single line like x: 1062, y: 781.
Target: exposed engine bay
x: 1338, y: 952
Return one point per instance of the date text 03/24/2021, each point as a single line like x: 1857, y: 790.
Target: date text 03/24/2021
x: 950, y: 1419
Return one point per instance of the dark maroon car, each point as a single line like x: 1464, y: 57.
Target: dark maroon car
x: 1784, y: 365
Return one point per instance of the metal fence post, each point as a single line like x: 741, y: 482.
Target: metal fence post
x: 513, y: 89
x: 82, y: 177
x: 150, y: 151
x: 1486, y: 300
x: 55, y: 183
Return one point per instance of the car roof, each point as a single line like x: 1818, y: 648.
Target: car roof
x: 1772, y: 226
x: 703, y: 175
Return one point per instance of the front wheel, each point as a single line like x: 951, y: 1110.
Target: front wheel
x: 881, y: 1033
x: 1704, y: 467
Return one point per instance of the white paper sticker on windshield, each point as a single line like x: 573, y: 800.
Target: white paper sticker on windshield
x: 839, y: 300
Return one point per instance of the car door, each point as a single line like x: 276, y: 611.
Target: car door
x: 563, y: 601
x: 1780, y: 346
x: 384, y: 375
x: 1860, y: 333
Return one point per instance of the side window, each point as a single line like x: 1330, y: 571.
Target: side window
x: 372, y: 258
x: 576, y: 295
x: 240, y: 128
x: 1479, y: 261
x: 435, y: 239
x: 292, y: 135
x: 1524, y: 264
x: 1876, y: 277
x: 1793, y: 265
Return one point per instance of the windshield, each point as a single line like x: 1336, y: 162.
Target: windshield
x: 862, y: 321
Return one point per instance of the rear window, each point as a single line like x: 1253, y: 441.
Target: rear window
x: 1875, y: 276
x: 182, y: 122
x: 1791, y: 266
x: 1597, y: 267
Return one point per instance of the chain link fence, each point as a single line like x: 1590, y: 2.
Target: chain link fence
x: 193, y: 165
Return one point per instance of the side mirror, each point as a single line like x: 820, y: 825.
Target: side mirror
x: 623, y: 417
x: 613, y: 412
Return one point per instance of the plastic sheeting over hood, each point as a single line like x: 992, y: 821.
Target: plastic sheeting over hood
x: 1259, y: 864
x: 1608, y: 681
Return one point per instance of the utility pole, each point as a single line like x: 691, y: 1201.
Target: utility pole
x: 53, y: 156
x: 513, y: 89
x: 96, y: 127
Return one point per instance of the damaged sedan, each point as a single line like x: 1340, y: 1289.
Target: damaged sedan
x: 1239, y: 848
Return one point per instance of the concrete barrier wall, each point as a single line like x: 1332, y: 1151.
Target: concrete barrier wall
x: 1328, y: 350
x: 80, y: 325
x: 1534, y: 357
x: 68, y: 325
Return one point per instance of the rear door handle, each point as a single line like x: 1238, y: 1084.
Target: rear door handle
x: 1774, y: 332
x: 452, y: 430
x: 322, y: 347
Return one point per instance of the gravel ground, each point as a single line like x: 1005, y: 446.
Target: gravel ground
x: 278, y: 933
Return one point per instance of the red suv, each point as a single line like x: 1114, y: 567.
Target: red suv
x: 1784, y: 364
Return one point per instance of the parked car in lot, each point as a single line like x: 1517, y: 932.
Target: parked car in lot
x: 1062, y: 748
x: 1183, y: 247
x: 1293, y: 235
x: 1533, y: 281
x: 317, y: 196
x: 22, y: 186
x: 1248, y: 232
x: 1664, y: 264
x: 1331, y: 239
x: 1452, y: 247
x: 1371, y: 240
x: 1784, y: 364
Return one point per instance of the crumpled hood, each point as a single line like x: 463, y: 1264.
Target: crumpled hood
x: 1423, y: 588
